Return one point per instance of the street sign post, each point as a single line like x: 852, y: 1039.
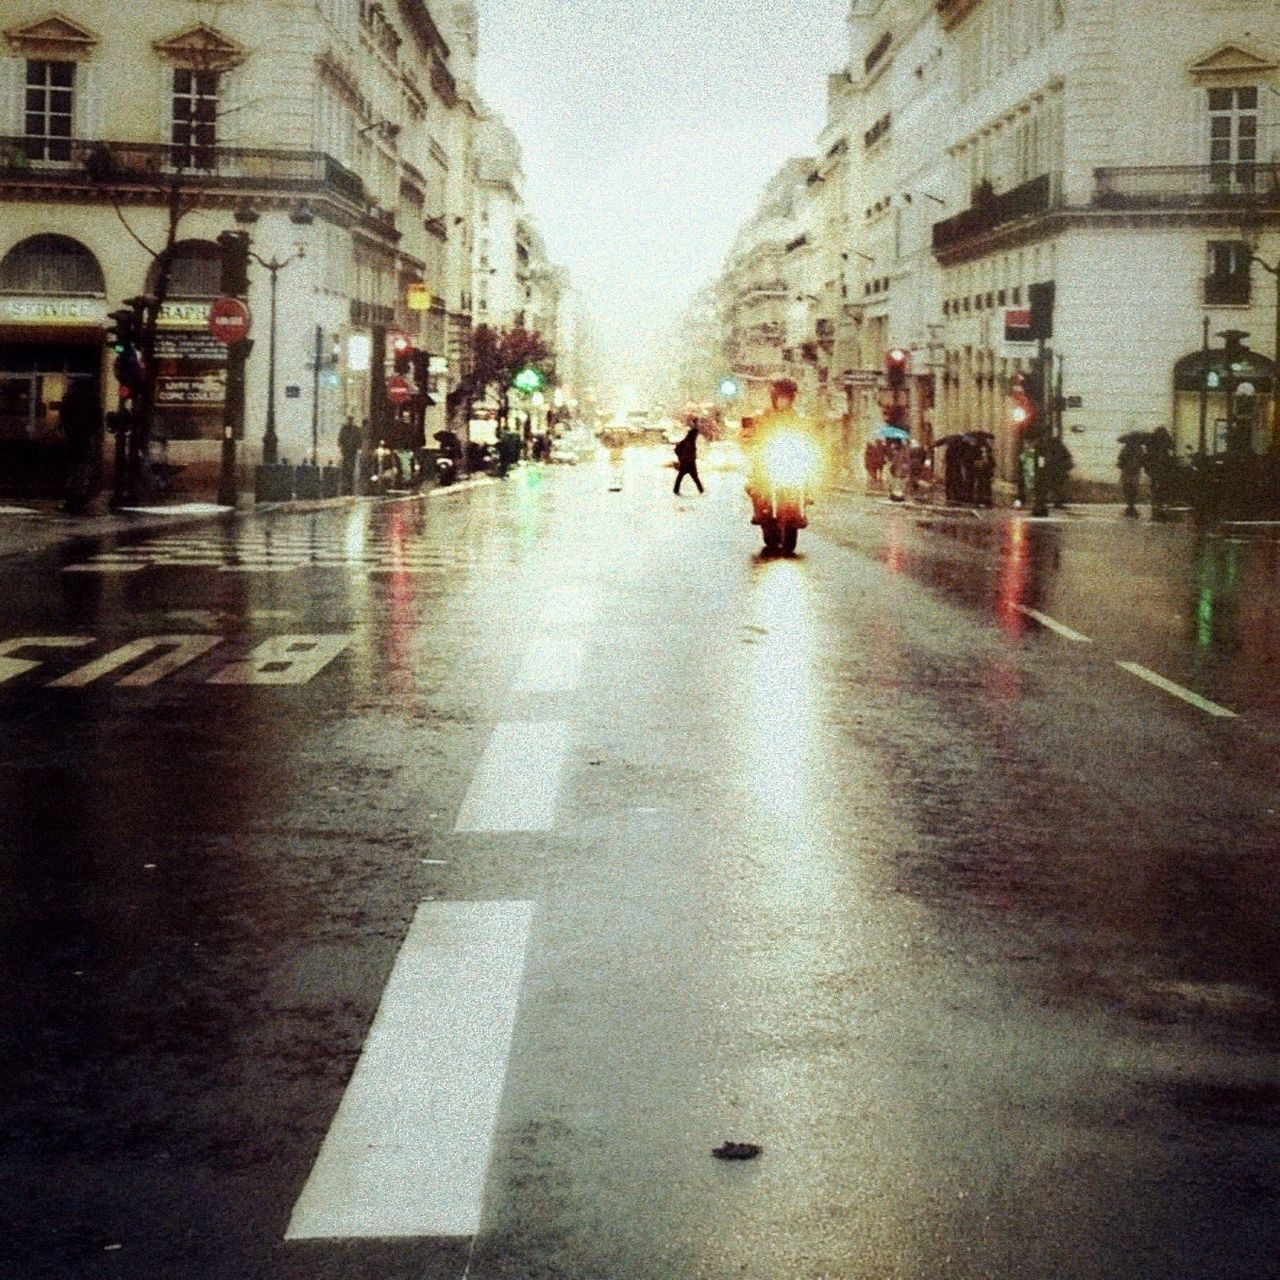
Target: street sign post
x: 229, y: 320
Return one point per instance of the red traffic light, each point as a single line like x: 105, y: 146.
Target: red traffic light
x: 401, y: 343
x: 895, y: 367
x: 1022, y: 410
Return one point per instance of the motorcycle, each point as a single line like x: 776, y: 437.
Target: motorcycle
x: 789, y: 466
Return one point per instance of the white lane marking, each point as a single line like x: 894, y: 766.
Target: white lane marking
x: 552, y: 664
x: 10, y: 667
x: 517, y: 784
x: 1061, y: 628
x: 112, y: 567
x: 1177, y: 690
x: 283, y: 660
x: 407, y: 1154
x: 183, y: 650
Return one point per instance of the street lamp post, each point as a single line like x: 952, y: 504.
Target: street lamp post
x: 270, y: 442
x: 1274, y: 269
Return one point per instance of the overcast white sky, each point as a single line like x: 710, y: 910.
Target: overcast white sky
x: 648, y: 129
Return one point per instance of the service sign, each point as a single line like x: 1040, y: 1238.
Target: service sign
x: 52, y: 311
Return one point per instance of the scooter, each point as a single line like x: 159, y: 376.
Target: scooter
x: 789, y: 466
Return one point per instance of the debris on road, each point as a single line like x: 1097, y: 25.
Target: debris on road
x: 736, y: 1151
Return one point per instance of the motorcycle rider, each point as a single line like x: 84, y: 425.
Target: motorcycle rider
x: 781, y: 415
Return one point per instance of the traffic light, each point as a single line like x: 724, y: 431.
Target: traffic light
x: 1023, y: 409
x: 235, y: 264
x: 402, y: 353
x: 529, y: 380
x: 121, y: 334
x: 895, y: 368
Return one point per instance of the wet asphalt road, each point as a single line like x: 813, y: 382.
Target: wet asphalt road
x: 972, y: 930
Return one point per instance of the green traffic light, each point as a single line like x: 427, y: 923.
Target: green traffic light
x: 529, y: 380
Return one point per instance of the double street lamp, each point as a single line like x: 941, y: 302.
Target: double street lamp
x: 273, y: 267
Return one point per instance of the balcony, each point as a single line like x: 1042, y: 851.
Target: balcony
x: 991, y: 212
x: 1188, y: 187
x: 132, y: 168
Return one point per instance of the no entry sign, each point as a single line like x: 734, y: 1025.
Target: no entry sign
x: 399, y: 391
x: 229, y: 320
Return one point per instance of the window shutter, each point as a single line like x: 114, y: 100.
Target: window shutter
x: 90, y: 124
x: 165, y: 122
x: 13, y: 79
x: 1198, y: 143
x: 230, y: 126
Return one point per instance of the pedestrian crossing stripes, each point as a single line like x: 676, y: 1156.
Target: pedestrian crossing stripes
x: 252, y: 552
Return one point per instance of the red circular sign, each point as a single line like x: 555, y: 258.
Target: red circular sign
x: 229, y: 320
x: 399, y: 391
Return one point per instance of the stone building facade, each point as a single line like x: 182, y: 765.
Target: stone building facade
x: 335, y: 132
x: 1117, y: 164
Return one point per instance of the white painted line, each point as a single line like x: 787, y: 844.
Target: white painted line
x: 10, y: 667
x: 407, y: 1154
x: 113, y: 567
x: 552, y: 664
x: 1061, y: 628
x: 183, y: 650
x: 1177, y: 690
x: 517, y: 784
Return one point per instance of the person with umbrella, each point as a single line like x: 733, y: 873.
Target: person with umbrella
x: 982, y: 467
x: 1131, y: 461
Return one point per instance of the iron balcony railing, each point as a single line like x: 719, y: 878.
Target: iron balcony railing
x: 72, y: 161
x: 1188, y: 186
x: 992, y: 211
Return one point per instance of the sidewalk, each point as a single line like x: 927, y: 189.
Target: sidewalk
x: 31, y: 527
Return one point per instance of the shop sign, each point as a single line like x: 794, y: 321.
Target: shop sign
x: 202, y: 390
x: 190, y: 344
x: 52, y: 311
x: 183, y: 315
x: 418, y: 297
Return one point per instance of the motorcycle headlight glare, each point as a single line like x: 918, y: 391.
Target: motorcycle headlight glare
x: 790, y: 460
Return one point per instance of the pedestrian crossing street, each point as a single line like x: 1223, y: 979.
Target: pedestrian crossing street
x: 265, y: 550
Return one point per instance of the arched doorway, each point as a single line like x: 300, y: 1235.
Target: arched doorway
x: 1207, y: 390
x: 52, y: 316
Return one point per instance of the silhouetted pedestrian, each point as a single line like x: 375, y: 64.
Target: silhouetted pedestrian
x: 687, y: 458
x: 1057, y: 469
x: 983, y: 470
x: 1159, y: 464
x: 350, y: 442
x: 1130, y: 462
x: 873, y: 457
x: 80, y: 416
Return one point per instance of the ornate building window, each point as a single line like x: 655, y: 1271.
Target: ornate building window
x: 195, y: 118
x: 50, y: 100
